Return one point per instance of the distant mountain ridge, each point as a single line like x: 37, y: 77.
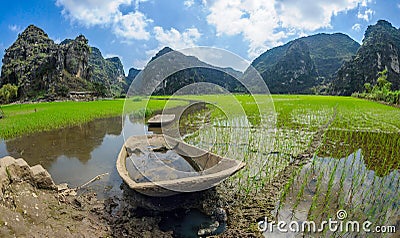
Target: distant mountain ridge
x: 304, y: 63
x: 380, y: 50
x: 323, y: 63
x: 185, y: 70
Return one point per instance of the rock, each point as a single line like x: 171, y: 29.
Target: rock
x: 35, y: 63
x: 304, y: 63
x: 6, y: 161
x: 19, y: 170
x: 41, y: 177
x: 4, y: 174
x: 109, y: 71
x: 62, y: 187
x: 209, y: 230
x: 220, y: 215
x: 380, y: 50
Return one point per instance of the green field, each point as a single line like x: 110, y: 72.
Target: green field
x: 320, y: 153
x: 23, y: 119
x: 325, y: 154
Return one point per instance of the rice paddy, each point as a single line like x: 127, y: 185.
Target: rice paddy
x: 353, y: 166
x: 307, y: 156
x: 22, y: 119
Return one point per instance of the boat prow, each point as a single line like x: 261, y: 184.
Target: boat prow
x: 161, y: 119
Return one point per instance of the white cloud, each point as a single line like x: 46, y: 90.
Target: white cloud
x: 171, y: 38
x: 356, y: 27
x: 106, y: 13
x: 366, y: 16
x: 175, y: 39
x: 89, y: 12
x: 265, y: 24
x: 132, y: 26
x: 188, y: 3
x: 15, y: 28
x: 398, y: 5
x: 364, y: 3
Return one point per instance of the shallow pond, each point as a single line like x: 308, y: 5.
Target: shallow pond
x: 74, y: 155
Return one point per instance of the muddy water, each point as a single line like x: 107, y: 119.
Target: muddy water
x: 357, y: 172
x: 74, y: 155
x: 77, y: 154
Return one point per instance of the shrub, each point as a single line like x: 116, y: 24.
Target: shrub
x: 8, y: 93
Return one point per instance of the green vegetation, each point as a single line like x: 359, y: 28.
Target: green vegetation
x: 305, y: 64
x: 381, y: 91
x: 20, y: 119
x: 379, y: 50
x: 8, y: 93
x: 327, y: 153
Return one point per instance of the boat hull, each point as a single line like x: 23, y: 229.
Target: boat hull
x: 213, y: 174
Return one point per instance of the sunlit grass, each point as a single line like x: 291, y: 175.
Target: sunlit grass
x: 23, y: 119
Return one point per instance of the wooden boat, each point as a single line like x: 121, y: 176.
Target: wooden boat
x: 161, y: 119
x: 166, y: 180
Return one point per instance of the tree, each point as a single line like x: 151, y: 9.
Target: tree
x: 8, y: 93
x: 367, y: 87
x: 382, y: 81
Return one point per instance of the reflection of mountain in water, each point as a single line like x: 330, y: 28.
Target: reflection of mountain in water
x: 76, y: 141
x: 381, y: 151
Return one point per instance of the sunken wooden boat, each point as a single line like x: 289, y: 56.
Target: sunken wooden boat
x: 158, y: 165
x: 161, y: 119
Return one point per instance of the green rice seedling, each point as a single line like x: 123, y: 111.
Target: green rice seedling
x: 329, y: 189
x: 314, y: 202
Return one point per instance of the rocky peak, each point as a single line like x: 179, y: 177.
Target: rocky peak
x: 108, y: 72
x: 34, y: 35
x: 41, y: 68
x: 304, y: 63
x: 382, y: 30
x: 380, y: 50
x: 162, y: 52
x: 66, y: 41
x: 115, y: 60
x: 131, y: 76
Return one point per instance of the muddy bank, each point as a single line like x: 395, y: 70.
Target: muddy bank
x: 31, y: 205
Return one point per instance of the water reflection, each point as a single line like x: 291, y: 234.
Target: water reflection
x: 327, y: 185
x: 380, y: 151
x: 76, y: 154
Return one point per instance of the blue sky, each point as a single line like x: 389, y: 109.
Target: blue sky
x: 135, y: 30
